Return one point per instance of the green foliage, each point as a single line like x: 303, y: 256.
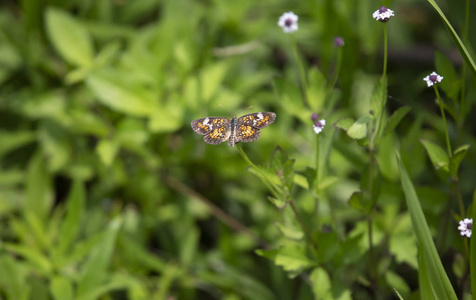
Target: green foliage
x: 107, y: 193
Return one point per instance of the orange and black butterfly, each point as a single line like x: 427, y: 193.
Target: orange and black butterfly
x: 245, y: 129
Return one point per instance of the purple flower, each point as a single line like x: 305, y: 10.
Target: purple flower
x: 383, y: 14
x: 433, y: 78
x: 465, y: 227
x: 339, y: 41
x: 288, y: 22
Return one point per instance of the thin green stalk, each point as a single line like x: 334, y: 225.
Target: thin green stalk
x: 262, y: 175
x: 463, y: 74
x: 302, y: 74
x: 333, y: 80
x: 384, y: 49
x: 440, y: 103
x: 303, y: 226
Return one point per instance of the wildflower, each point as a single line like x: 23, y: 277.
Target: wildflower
x: 383, y: 14
x: 433, y: 78
x: 465, y: 227
x: 288, y: 22
x: 339, y: 41
x: 318, y: 124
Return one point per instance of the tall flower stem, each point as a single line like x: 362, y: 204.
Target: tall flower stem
x: 260, y: 173
x: 440, y: 103
x: 302, y: 74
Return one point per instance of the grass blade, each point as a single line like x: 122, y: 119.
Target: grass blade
x: 436, y: 273
x: 462, y: 49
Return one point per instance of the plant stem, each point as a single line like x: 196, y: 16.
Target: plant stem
x: 384, y: 49
x: 262, y: 175
x: 440, y: 103
x: 303, y: 226
x: 302, y: 74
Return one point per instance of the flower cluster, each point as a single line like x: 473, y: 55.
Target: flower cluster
x: 318, y: 124
x: 383, y: 14
x: 465, y: 227
x: 432, y: 79
x: 288, y: 22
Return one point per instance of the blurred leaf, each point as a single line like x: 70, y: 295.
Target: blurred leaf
x: 397, y: 282
x: 451, y: 83
x: 61, y: 288
x: 70, y: 37
x: 72, y: 221
x: 358, y: 130
x: 111, y: 90
x: 14, y: 140
x: 291, y: 232
x: 458, y: 156
x: 462, y: 49
x: 95, y: 270
x: 356, y: 201
x: 395, y: 119
x: 321, y: 284
x: 292, y: 257
x: 211, y: 78
x: 39, y: 198
x: 344, y: 123
x: 39, y: 261
x: 283, y: 168
x: 107, y: 151
x: 437, y: 275
x: 13, y: 278
x: 379, y: 97
x: 438, y: 156
x: 168, y: 118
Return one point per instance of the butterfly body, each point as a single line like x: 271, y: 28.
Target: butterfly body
x: 246, y: 128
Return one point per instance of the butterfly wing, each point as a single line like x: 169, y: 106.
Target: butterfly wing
x: 215, y: 129
x: 248, y: 126
x: 257, y: 120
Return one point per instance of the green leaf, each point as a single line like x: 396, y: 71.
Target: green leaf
x: 379, y: 97
x: 344, y: 123
x: 107, y: 151
x: 437, y: 155
x: 395, y: 119
x: 211, y: 78
x: 283, y: 167
x: 61, y: 288
x: 290, y: 232
x: 13, y: 278
x: 41, y: 263
x: 462, y: 49
x: 292, y: 257
x: 167, y: 118
x: 458, y: 156
x: 395, y: 281
x: 39, y: 198
x: 451, y: 83
x: 358, y: 130
x: 321, y: 284
x: 69, y: 37
x: 13, y: 140
x: 95, y: 270
x: 112, y: 91
x: 436, y: 273
x: 74, y: 212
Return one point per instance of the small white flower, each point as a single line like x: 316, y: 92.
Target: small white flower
x: 465, y: 227
x: 383, y: 14
x: 288, y: 22
x: 433, y: 78
x: 319, y: 126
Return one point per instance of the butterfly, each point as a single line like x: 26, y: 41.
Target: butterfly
x: 245, y: 129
